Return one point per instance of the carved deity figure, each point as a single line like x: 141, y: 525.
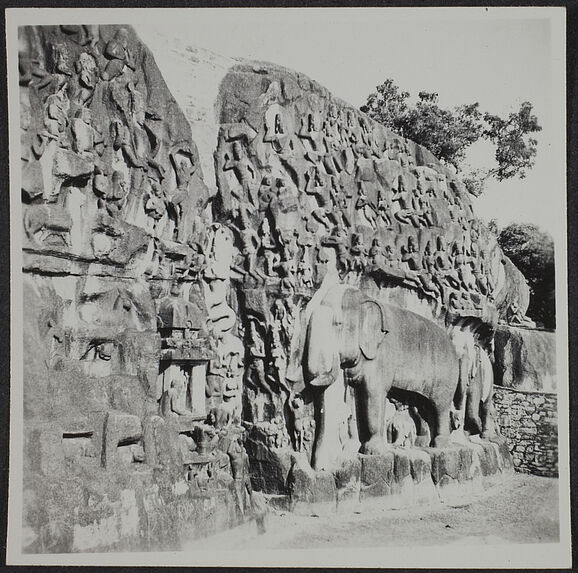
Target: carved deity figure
x: 86, y: 137
x: 174, y: 399
x: 111, y: 195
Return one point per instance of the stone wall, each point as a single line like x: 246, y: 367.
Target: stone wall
x: 528, y: 421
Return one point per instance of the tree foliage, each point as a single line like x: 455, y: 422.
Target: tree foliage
x: 448, y: 133
x: 532, y: 251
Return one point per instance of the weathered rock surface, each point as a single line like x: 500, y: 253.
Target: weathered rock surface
x: 120, y: 325
x: 399, y: 478
x: 525, y: 359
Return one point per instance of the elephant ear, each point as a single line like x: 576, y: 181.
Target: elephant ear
x: 372, y: 328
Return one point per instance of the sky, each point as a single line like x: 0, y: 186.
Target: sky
x: 497, y: 57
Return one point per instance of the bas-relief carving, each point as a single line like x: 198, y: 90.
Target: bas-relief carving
x: 314, y: 176
x: 115, y: 204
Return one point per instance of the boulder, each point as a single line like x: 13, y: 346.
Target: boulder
x: 525, y: 359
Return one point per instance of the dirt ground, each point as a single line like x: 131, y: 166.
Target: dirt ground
x: 522, y: 509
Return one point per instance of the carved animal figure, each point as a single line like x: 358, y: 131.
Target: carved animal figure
x: 479, y: 410
x: 378, y: 347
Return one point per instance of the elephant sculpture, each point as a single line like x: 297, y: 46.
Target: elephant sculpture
x: 479, y: 406
x: 465, y: 346
x: 376, y: 347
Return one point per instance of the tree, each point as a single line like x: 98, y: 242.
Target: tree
x: 388, y: 106
x: 448, y: 133
x: 532, y: 251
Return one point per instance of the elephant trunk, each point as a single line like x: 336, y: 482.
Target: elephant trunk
x: 321, y: 362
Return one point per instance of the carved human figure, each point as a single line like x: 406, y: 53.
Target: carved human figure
x: 403, y: 427
x: 428, y: 276
x: 86, y: 139
x: 339, y: 241
x: 249, y: 244
x: 182, y: 199
x: 405, y: 212
x: 174, y: 399
x: 123, y: 141
x: 444, y: 266
x: 465, y: 264
x: 358, y: 253
x: 310, y: 131
x: 299, y: 422
x: 384, y: 198
x: 339, y: 201
x: 265, y: 193
x: 87, y: 70
x: 426, y: 212
x: 155, y: 205
x: 240, y: 469
x: 317, y: 186
x: 377, y: 254
x: 366, y: 209
x: 56, y: 115
x: 268, y: 249
x: 237, y: 161
x: 412, y: 260
x: 111, y: 195
x: 257, y: 358
x: 481, y: 277
x: 305, y: 271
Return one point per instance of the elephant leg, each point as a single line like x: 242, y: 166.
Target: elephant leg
x: 487, y: 413
x: 460, y: 396
x: 328, y: 405
x: 473, y: 412
x: 322, y: 358
x: 441, y: 432
x: 369, y: 398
